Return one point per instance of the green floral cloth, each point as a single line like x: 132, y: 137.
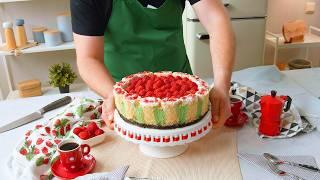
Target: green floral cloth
x: 37, y: 151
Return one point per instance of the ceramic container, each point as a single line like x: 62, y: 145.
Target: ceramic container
x: 92, y: 141
x: 65, y: 27
x: 52, y: 37
x: 38, y: 34
x: 9, y: 35
x: 21, y: 33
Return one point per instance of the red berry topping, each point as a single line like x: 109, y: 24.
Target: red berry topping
x: 98, y: 132
x: 84, y: 135
x: 77, y: 130
x: 92, y: 127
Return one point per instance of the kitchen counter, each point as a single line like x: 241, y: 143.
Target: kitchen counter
x: 290, y: 83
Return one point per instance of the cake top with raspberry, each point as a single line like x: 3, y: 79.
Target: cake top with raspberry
x: 161, y: 86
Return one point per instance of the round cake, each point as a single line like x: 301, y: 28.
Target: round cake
x: 162, y: 100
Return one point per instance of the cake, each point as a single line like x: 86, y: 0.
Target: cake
x: 162, y: 100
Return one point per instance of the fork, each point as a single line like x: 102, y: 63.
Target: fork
x: 279, y: 172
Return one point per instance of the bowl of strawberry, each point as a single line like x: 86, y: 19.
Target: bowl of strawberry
x: 90, y: 134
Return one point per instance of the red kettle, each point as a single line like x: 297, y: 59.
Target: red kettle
x: 272, y: 107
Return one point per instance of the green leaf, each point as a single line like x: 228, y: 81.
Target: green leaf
x: 39, y: 161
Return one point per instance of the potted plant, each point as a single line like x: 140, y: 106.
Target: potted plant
x: 61, y: 75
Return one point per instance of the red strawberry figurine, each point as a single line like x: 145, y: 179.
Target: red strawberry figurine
x: 49, y: 144
x: 84, y: 135
x: 98, y: 132
x: 92, y: 127
x: 39, y: 141
x: 77, y: 130
x: 44, y: 150
x: 23, y: 151
x: 47, y: 129
x: 36, y: 151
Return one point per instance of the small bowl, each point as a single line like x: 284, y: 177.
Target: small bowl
x: 92, y: 141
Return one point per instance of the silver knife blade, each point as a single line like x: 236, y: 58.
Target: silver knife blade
x: 19, y: 122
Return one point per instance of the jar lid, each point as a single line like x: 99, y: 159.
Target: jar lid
x: 51, y: 31
x: 39, y: 29
x: 7, y: 24
x: 19, y: 22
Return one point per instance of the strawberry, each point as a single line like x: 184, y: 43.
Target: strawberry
x: 93, y: 116
x: 44, y: 150
x: 57, y: 122
x: 39, y: 141
x: 54, y: 133
x: 47, y: 129
x: 49, y: 144
x: 38, y: 126
x: 28, y: 143
x: 84, y: 135
x: 69, y: 114
x: 98, y: 132
x: 62, y: 133
x: 28, y: 133
x: 57, y: 141
x: 23, y: 151
x: 68, y: 127
x: 77, y: 130
x: 46, y: 161
x: 36, y: 151
x: 92, y: 127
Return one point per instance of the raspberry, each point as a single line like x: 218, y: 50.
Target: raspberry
x: 92, y: 127
x: 84, y: 135
x: 77, y: 130
x: 98, y: 132
x: 39, y: 141
x: 149, y: 94
x: 142, y: 93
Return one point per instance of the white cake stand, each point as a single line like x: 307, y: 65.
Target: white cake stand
x: 162, y: 143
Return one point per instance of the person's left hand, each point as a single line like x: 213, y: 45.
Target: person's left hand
x: 220, y: 105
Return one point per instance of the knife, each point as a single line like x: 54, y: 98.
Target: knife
x: 36, y: 115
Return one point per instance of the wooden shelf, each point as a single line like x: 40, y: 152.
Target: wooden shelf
x: 51, y: 91
x: 10, y: 1
x: 42, y: 48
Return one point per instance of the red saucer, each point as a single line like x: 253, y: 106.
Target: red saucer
x: 242, y: 119
x: 59, y: 171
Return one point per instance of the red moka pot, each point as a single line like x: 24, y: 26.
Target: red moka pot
x: 272, y: 107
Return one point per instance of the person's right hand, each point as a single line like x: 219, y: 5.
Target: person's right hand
x: 108, y: 108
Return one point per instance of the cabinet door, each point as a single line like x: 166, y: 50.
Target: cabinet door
x: 249, y: 45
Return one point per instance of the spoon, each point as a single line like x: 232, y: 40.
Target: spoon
x: 275, y: 160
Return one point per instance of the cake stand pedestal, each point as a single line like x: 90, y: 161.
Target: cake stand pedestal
x: 164, y: 143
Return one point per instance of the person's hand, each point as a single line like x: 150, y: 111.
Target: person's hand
x: 220, y: 105
x: 108, y: 111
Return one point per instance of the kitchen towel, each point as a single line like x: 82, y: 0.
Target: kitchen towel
x: 292, y: 123
x: 260, y: 162
x: 33, y: 155
x: 118, y: 174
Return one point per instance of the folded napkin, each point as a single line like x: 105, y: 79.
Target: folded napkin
x: 32, y: 157
x: 292, y: 123
x: 261, y: 162
x: 118, y: 174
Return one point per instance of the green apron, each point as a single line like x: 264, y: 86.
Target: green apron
x: 142, y: 39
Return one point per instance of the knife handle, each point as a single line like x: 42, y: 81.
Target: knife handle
x: 309, y: 167
x: 56, y: 104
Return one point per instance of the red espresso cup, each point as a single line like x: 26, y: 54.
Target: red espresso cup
x: 236, y: 105
x: 71, y: 154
